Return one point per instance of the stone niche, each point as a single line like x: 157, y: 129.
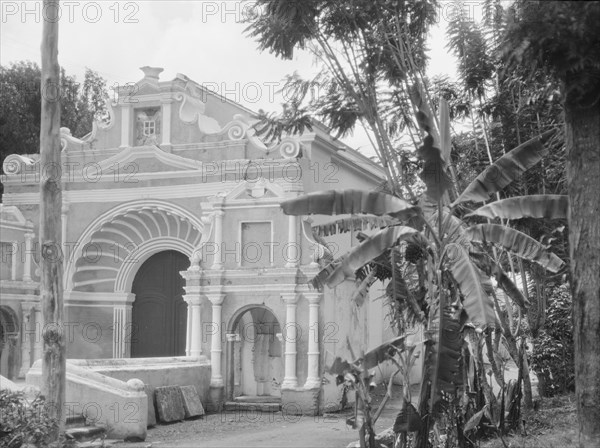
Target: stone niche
x: 147, y: 126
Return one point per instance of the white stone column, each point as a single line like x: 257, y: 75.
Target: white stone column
x: 218, y: 259
x: 123, y: 328
x: 38, y: 343
x: 196, y: 325
x: 27, y: 334
x: 193, y: 299
x: 216, y: 350
x: 64, y: 216
x: 313, y: 380
x: 166, y: 123
x: 15, y: 260
x: 125, y: 125
x: 293, y: 251
x: 29, y: 236
x: 188, y: 333
x: 290, y: 380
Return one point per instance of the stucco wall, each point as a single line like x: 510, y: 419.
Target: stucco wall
x: 90, y: 331
x: 156, y: 372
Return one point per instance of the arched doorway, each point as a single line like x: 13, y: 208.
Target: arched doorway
x: 9, y: 337
x: 159, y: 313
x: 255, y: 354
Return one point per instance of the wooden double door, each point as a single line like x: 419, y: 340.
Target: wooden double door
x: 159, y: 314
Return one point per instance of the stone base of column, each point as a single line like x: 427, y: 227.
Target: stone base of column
x: 216, y: 399
x: 301, y: 402
x: 23, y: 372
x: 312, y: 383
x: 289, y: 383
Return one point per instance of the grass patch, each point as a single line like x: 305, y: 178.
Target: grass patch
x: 553, y: 425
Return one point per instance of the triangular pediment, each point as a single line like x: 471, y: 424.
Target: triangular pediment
x: 145, y: 88
x: 149, y: 159
x: 10, y: 213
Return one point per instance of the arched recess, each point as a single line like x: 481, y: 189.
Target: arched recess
x: 254, y: 353
x: 9, y: 343
x: 117, y: 243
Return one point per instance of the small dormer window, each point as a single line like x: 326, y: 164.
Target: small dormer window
x: 149, y: 128
x: 147, y: 124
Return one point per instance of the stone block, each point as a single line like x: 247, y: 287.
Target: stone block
x: 191, y: 402
x: 300, y: 401
x: 151, y: 405
x: 169, y: 404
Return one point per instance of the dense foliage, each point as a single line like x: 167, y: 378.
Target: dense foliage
x: 21, y: 100
x: 553, y: 351
x: 21, y: 105
x: 368, y: 56
x: 25, y: 423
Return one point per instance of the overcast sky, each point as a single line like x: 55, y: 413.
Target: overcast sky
x: 201, y: 39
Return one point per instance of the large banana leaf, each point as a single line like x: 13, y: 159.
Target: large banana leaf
x: 370, y: 359
x: 351, y: 202
x: 362, y: 291
x: 433, y: 173
x: 484, y: 263
x: 551, y: 206
x: 319, y: 280
x: 442, y: 364
x: 508, y: 286
x: 368, y: 250
x: 517, y: 242
x: 445, y: 138
x: 474, y: 286
x: 353, y: 223
x: 398, y: 291
x: 506, y: 169
x: 443, y: 359
x: 379, y: 354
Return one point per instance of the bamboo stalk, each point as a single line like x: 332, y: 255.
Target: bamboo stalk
x: 51, y: 290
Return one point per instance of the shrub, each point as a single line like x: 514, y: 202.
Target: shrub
x: 24, y: 423
x: 553, y: 350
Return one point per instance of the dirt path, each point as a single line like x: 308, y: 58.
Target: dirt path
x: 233, y: 430
x: 257, y: 429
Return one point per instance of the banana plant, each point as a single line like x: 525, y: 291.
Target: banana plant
x: 445, y: 283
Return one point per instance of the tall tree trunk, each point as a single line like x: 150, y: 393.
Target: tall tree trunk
x: 53, y: 359
x: 583, y: 173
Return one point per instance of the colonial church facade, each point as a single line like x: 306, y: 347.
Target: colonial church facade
x: 175, y: 247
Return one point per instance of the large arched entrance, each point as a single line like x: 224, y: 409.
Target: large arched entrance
x: 159, y: 313
x: 9, y: 337
x: 255, y: 358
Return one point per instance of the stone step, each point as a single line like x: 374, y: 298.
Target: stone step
x: 84, y: 433
x: 252, y: 407
x: 75, y: 421
x: 257, y: 399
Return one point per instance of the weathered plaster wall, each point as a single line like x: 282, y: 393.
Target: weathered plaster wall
x: 90, y: 331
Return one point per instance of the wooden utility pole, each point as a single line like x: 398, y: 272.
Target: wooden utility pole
x: 51, y: 290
